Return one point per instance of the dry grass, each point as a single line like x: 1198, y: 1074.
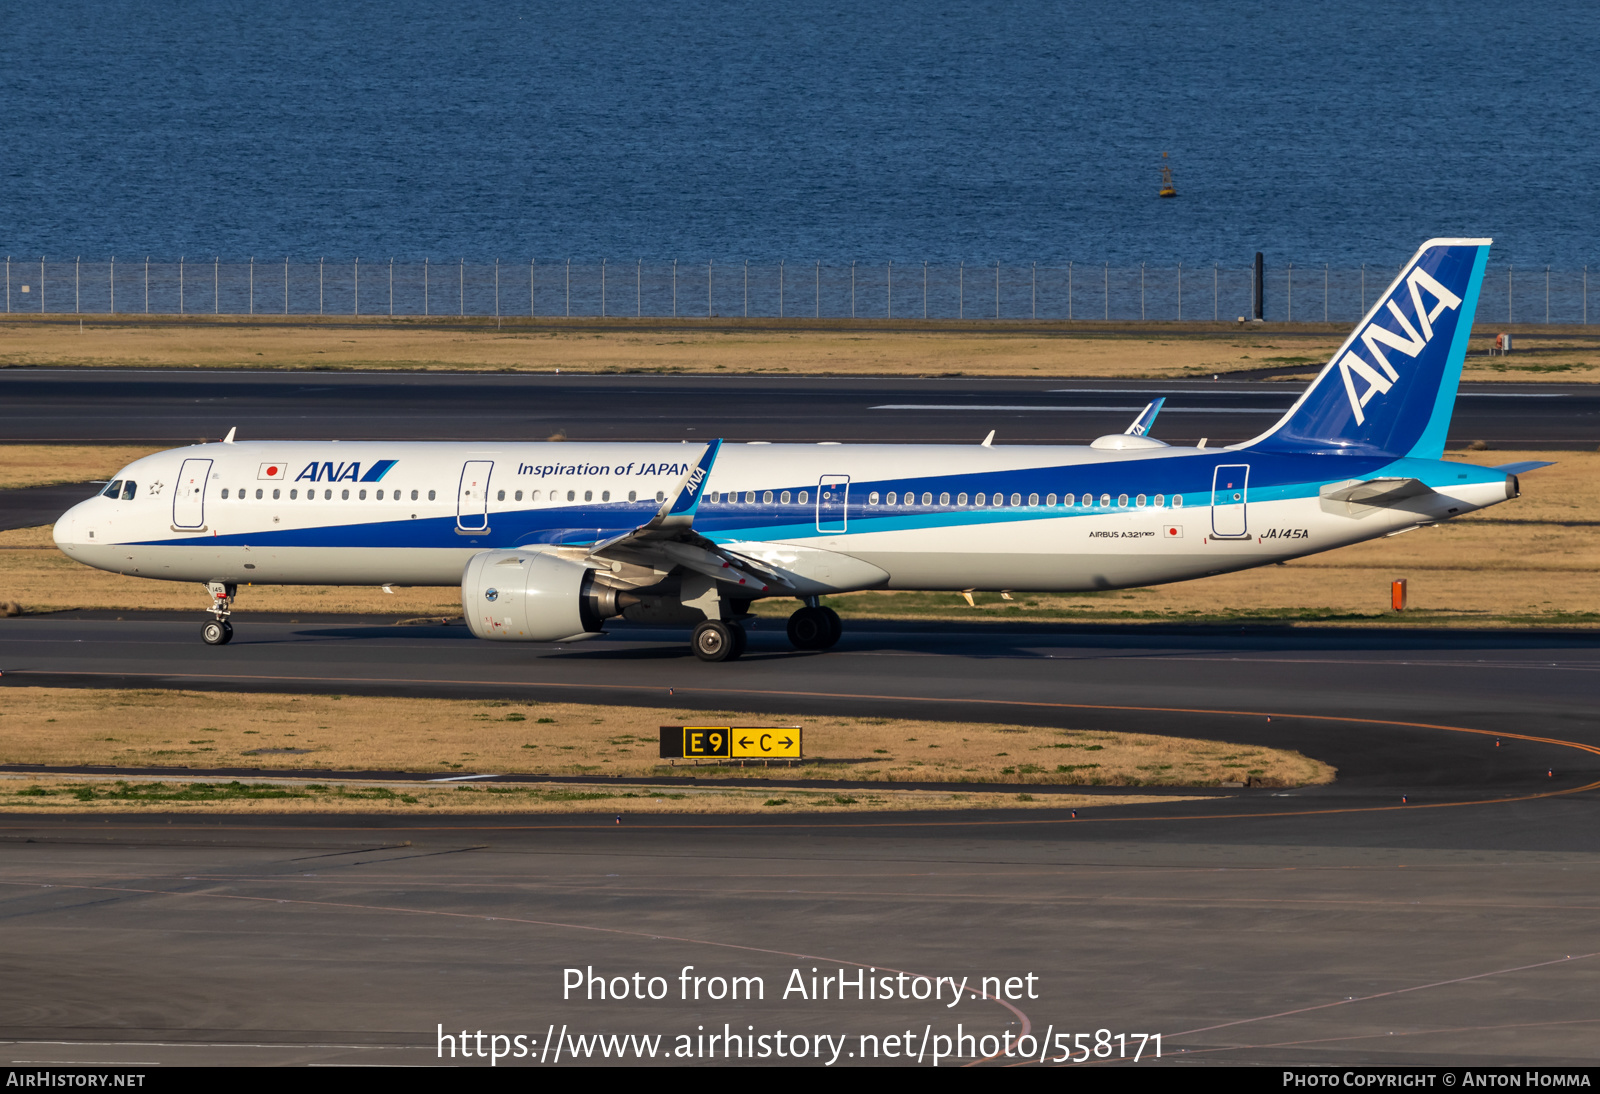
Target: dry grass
x: 969, y: 350
x: 1532, y: 561
x: 145, y: 728
x: 42, y: 794
x: 46, y: 464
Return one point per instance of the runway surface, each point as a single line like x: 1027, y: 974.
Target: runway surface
x: 1328, y: 925
x: 180, y: 407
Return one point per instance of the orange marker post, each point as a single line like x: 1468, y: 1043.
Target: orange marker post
x: 1397, y: 595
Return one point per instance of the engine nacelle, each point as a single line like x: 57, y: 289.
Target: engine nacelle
x: 531, y: 596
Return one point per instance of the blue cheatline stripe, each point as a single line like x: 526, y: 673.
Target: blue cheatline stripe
x: 377, y: 471
x: 1430, y: 446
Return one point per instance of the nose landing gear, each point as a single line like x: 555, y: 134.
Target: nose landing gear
x: 219, y: 632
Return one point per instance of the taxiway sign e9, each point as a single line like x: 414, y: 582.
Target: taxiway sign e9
x: 730, y: 742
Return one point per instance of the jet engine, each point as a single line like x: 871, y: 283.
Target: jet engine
x: 532, y: 596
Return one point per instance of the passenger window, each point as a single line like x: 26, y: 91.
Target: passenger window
x: 1177, y: 501
x: 293, y: 495
x: 961, y: 499
x: 224, y: 492
x: 749, y: 497
x: 633, y: 495
x: 804, y: 496
x: 944, y: 499
x: 275, y: 494
x: 1050, y: 501
x: 501, y: 496
x: 980, y: 499
x: 1016, y: 499
x: 1033, y: 499
x: 927, y: 498
x: 413, y: 495
x: 605, y: 495
x: 1122, y: 501
x: 362, y: 496
x: 129, y: 489
x: 661, y: 496
x: 892, y: 497
x: 1161, y: 500
x: 766, y: 497
x: 258, y: 493
x: 1105, y: 501
x: 784, y: 498
x: 430, y: 494
x: 1139, y: 501
x: 588, y: 495
x: 344, y: 495
x: 378, y: 496
x: 113, y: 491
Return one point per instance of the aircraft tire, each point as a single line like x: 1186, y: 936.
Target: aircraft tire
x: 217, y: 633
x: 809, y: 629
x: 715, y: 640
x: 835, y: 628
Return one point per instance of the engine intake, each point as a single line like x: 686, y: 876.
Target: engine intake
x: 531, y: 596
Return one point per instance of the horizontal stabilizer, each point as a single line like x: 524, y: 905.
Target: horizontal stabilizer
x: 1375, y: 491
x: 1524, y: 467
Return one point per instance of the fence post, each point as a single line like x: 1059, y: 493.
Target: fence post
x: 602, y: 288
x: 146, y: 282
x: 710, y: 265
x: 252, y: 284
x: 924, y: 288
x: 1108, y: 289
x: 638, y: 288
x: 569, y: 288
x: 322, y: 269
x: 1585, y: 293
x: 391, y: 285
x: 461, y: 286
x: 355, y: 281
x: 1141, y: 292
x: 111, y: 282
x: 180, y: 284
x: 1288, y: 296
x: 1216, y: 294
x: 780, y: 288
x: 1324, y: 292
x: 674, y: 288
x: 889, y: 280
x: 1547, y: 296
x: 1035, y: 283
x: 41, y: 286
x: 8, y: 284
x: 819, y: 288
x: 1508, y: 294
x: 1180, y: 292
x: 285, y: 284
x: 533, y: 274
x: 961, y: 291
x: 77, y: 287
x: 747, y: 288
x: 997, y: 290
x: 1363, y: 290
x: 1069, y: 291
x: 426, y: 304
x: 852, y: 288
x: 496, y: 291
x: 216, y: 284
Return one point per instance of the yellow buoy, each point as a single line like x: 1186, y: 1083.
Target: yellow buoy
x: 1167, y: 189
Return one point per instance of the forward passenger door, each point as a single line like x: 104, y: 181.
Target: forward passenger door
x: 472, y: 498
x: 189, y: 496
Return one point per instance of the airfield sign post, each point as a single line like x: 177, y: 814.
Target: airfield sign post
x: 730, y: 743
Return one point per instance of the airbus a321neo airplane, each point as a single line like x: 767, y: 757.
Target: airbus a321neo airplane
x: 549, y: 540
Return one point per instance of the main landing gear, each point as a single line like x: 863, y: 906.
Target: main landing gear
x: 814, y: 628
x: 715, y: 640
x: 219, y: 632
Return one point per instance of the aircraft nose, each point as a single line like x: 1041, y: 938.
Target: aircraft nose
x: 69, y: 528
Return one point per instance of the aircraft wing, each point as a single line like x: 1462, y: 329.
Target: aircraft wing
x: 1147, y: 418
x: 669, y: 537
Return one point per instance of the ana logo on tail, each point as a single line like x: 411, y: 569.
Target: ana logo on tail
x: 1353, y: 365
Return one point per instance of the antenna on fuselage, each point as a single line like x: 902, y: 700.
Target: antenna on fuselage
x: 229, y: 438
x: 988, y: 441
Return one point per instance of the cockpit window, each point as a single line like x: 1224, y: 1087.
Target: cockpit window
x: 112, y: 491
x: 129, y: 488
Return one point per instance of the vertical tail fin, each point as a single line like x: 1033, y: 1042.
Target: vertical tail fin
x: 1391, y: 388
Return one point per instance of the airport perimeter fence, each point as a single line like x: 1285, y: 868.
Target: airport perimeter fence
x: 1309, y: 293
